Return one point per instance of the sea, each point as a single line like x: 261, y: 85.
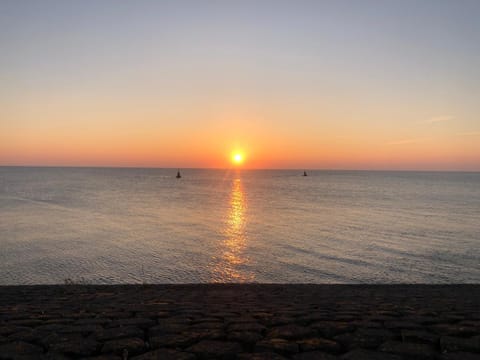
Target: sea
x: 128, y: 225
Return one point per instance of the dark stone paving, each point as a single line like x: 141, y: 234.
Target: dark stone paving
x: 255, y: 322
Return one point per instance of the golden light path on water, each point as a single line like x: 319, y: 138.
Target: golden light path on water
x: 232, y: 258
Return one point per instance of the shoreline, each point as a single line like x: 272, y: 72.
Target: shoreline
x: 244, y: 321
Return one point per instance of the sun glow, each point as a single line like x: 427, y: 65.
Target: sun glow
x: 237, y: 158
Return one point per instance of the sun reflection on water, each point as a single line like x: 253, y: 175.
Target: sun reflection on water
x: 230, y: 267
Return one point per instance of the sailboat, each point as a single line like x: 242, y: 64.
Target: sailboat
x: 178, y: 175
x: 304, y: 173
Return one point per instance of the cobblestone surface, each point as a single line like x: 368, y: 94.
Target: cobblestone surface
x: 240, y: 322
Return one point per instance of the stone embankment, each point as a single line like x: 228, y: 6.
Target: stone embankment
x: 190, y: 322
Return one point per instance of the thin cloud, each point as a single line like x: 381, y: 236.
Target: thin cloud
x: 406, y: 141
x: 471, y: 133
x: 438, y: 119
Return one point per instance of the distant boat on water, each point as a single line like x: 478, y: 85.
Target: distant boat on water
x: 305, y: 173
x: 178, y: 175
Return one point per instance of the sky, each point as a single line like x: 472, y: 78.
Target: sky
x: 289, y: 84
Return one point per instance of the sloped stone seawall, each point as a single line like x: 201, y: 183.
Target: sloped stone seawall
x: 235, y: 321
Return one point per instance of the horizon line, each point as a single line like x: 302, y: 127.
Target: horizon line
x: 232, y: 168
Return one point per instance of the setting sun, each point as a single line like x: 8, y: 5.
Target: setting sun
x: 237, y: 158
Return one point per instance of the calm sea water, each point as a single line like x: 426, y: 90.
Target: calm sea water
x: 103, y: 225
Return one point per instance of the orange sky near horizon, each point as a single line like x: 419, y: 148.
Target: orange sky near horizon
x: 212, y: 147
x: 66, y: 131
